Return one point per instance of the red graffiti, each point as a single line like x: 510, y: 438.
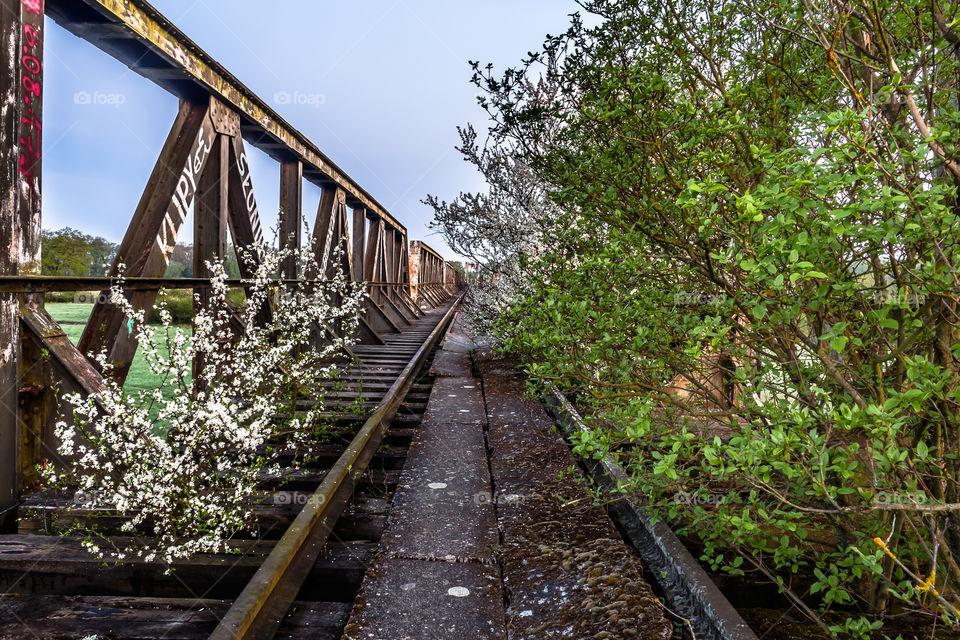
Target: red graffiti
x: 32, y: 65
x: 31, y: 68
x: 31, y: 37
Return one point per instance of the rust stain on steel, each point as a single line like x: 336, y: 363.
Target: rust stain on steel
x: 72, y: 364
x: 153, y: 28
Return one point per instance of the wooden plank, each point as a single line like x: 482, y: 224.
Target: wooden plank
x: 50, y: 515
x: 56, y: 565
x: 123, y: 618
x: 291, y: 208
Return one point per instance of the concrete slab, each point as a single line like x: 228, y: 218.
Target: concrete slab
x: 523, y: 456
x: 567, y: 572
x: 539, y: 560
x: 404, y: 599
x: 452, y: 364
x: 577, y: 590
x: 456, y: 342
x: 503, y: 411
x: 442, y: 508
x: 456, y: 400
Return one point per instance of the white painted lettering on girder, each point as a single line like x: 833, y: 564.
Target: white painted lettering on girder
x: 251, y: 200
x: 183, y: 195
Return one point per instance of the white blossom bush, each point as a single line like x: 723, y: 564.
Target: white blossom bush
x: 183, y: 463
x: 504, y: 230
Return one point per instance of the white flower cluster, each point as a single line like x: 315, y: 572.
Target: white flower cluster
x: 182, y: 463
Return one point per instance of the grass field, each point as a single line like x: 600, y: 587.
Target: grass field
x: 73, y: 316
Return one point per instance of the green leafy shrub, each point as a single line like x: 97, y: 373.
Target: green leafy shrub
x: 754, y: 293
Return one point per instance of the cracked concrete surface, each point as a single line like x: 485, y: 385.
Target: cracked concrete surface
x: 491, y: 534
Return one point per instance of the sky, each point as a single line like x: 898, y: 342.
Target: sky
x: 380, y: 86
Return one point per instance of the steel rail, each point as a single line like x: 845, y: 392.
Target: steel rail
x: 687, y: 587
x: 257, y: 612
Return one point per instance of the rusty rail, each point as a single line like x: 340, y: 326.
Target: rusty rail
x: 258, y: 611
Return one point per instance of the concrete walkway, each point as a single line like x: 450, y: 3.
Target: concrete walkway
x: 492, y: 534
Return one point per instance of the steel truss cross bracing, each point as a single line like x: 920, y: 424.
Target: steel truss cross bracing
x: 202, y: 168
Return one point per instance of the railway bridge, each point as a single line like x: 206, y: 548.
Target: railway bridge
x: 434, y: 516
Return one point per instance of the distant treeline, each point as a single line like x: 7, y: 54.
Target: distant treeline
x: 68, y: 252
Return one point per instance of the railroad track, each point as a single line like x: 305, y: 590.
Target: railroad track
x: 295, y: 574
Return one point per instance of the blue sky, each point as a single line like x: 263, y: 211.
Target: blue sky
x: 379, y: 85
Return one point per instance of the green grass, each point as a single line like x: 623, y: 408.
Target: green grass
x: 72, y: 318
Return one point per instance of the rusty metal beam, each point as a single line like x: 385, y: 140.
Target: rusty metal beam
x: 141, y: 37
x: 291, y: 209
x: 21, y: 117
x: 158, y: 217
x: 210, y: 225
x: 359, y: 233
x: 323, y: 225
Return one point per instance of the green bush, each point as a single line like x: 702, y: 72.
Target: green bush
x: 180, y: 304
x: 755, y: 295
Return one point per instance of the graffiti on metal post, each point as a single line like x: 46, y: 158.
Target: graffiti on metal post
x: 243, y: 167
x: 31, y: 69
x: 185, y: 191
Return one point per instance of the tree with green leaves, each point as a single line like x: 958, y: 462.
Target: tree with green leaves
x: 754, y: 291
x: 68, y: 252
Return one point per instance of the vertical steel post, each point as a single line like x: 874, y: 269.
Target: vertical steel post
x: 210, y: 224
x: 21, y: 123
x: 291, y: 206
x: 359, y: 231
